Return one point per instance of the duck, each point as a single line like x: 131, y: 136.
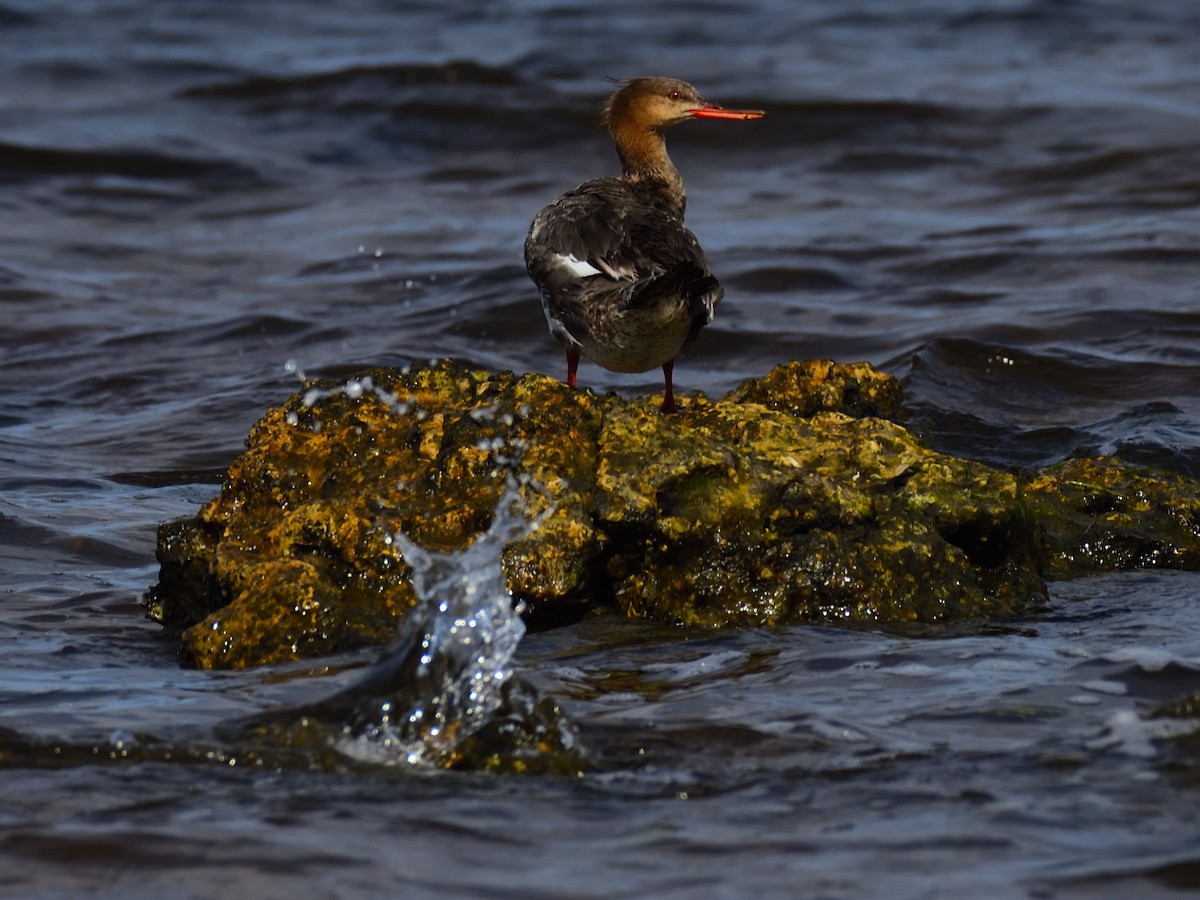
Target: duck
x: 623, y: 283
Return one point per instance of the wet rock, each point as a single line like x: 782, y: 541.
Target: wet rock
x: 740, y: 515
x: 527, y: 733
x: 295, y: 557
x: 797, y: 498
x: 1103, y: 515
x: 1177, y: 725
x: 805, y: 388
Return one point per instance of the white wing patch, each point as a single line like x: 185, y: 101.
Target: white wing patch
x: 580, y: 268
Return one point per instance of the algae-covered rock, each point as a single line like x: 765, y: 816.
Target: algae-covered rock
x: 805, y: 388
x: 295, y: 557
x: 797, y: 498
x: 742, y: 515
x: 1102, y: 514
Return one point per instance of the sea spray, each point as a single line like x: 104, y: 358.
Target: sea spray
x: 443, y: 693
x: 455, y: 649
x: 447, y: 677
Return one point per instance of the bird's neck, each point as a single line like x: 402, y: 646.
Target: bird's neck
x: 643, y: 154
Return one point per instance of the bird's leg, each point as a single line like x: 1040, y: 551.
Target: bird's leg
x: 668, y: 404
x: 572, y: 365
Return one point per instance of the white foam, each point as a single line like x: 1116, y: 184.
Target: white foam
x: 1128, y: 733
x: 1149, y: 659
x: 913, y: 670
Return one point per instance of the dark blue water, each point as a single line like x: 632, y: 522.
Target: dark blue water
x: 997, y: 201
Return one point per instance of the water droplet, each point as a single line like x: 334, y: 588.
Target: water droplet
x: 468, y: 629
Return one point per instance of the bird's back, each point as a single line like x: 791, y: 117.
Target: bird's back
x: 620, y: 276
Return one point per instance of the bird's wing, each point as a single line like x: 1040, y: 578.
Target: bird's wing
x: 605, y: 228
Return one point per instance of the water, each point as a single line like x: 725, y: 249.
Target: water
x: 995, y: 200
x: 455, y: 650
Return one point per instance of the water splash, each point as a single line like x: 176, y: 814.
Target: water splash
x: 448, y: 674
x: 354, y: 388
x: 443, y: 694
x: 445, y: 676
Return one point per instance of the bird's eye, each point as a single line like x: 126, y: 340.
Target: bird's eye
x: 673, y: 96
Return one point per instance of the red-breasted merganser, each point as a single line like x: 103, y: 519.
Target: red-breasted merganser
x: 623, y: 283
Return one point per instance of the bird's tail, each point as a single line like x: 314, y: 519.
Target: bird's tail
x: 688, y: 282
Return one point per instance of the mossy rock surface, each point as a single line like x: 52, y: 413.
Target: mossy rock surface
x: 1104, y: 515
x: 797, y: 498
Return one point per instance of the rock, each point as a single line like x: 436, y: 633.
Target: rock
x: 294, y: 558
x: 1176, y: 725
x: 821, y: 385
x: 740, y: 515
x: 1102, y: 514
x: 797, y: 498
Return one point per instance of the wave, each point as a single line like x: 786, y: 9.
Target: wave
x: 1024, y: 407
x: 19, y: 161
x: 359, y: 77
